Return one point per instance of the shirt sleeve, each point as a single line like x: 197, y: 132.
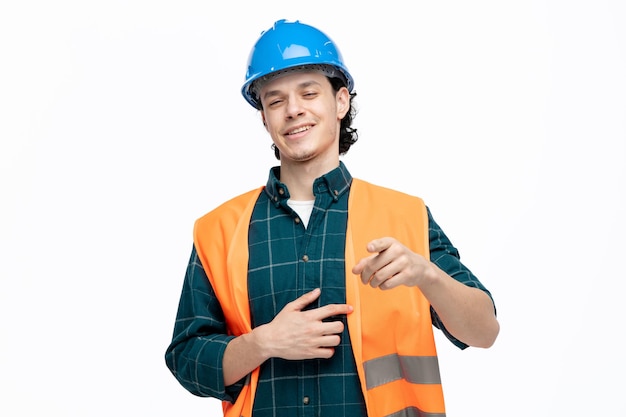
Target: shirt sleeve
x: 196, y: 351
x: 446, y: 256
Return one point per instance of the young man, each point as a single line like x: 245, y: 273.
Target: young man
x: 317, y: 293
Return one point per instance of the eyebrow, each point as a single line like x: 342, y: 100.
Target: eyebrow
x: 302, y: 85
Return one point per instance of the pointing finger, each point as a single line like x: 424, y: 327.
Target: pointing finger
x: 379, y: 245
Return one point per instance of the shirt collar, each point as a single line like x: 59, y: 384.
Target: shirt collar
x: 336, y: 183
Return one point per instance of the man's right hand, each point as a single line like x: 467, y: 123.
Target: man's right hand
x: 293, y: 334
x: 296, y: 333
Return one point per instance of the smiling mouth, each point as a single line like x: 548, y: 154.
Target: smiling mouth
x: 298, y: 130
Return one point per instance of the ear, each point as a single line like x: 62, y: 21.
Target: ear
x: 343, y: 102
x: 263, y: 119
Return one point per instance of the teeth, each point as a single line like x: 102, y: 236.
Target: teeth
x: 302, y: 129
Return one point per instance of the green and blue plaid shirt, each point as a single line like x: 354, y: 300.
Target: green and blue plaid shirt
x: 287, y: 260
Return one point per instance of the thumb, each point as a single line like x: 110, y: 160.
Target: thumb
x: 359, y: 267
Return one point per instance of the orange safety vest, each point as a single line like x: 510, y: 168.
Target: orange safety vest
x: 391, y: 331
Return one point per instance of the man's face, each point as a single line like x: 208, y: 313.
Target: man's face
x: 302, y: 114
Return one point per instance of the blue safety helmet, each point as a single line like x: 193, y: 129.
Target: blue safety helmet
x: 291, y: 46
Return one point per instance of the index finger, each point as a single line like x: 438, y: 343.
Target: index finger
x: 379, y: 245
x: 330, y: 310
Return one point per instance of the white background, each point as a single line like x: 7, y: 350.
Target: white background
x: 121, y: 122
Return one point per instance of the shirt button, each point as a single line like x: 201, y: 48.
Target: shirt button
x: 281, y: 191
x: 305, y: 258
x: 297, y: 220
x: 306, y: 400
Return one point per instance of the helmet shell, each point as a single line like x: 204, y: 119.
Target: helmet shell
x: 288, y: 45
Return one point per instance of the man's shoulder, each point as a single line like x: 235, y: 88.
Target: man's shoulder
x: 360, y: 185
x: 234, y: 206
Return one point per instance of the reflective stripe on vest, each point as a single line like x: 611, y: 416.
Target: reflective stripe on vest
x: 390, y: 331
x: 414, y: 412
x: 414, y: 369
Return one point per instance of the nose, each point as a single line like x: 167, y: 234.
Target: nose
x: 294, y: 108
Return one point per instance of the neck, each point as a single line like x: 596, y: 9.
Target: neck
x: 299, y: 178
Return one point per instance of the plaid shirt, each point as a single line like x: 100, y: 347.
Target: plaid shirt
x: 287, y: 260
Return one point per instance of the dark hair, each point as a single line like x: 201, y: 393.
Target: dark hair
x: 347, y: 134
